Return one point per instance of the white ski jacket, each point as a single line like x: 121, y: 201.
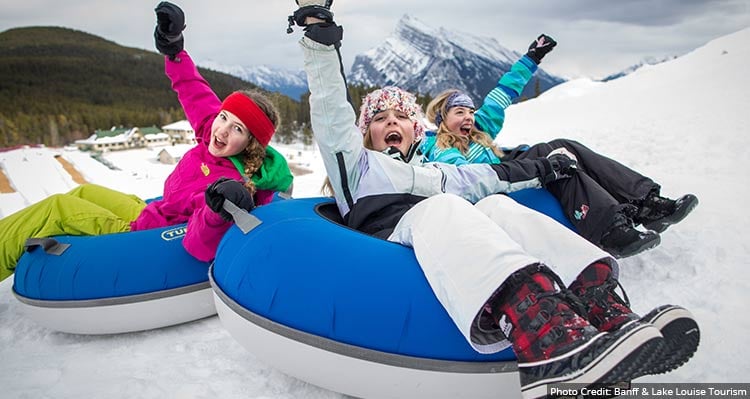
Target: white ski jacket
x: 373, y: 190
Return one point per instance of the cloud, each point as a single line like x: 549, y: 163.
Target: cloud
x: 596, y: 38
x: 630, y: 12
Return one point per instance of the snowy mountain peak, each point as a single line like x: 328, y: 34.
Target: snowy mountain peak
x: 428, y: 60
x: 284, y: 81
x: 411, y: 22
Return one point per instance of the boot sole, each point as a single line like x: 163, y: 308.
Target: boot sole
x: 638, y: 247
x: 630, y: 354
x: 681, y: 337
x: 689, y: 203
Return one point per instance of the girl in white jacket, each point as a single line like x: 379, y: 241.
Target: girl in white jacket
x: 492, y: 263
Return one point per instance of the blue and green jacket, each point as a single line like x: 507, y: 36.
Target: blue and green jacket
x: 489, y: 118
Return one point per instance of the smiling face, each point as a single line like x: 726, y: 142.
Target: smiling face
x: 459, y: 120
x: 229, y: 136
x: 391, y: 128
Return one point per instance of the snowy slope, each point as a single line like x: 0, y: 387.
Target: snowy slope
x: 633, y: 68
x: 684, y: 123
x: 25, y: 170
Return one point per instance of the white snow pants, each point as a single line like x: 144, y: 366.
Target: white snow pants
x: 467, y: 251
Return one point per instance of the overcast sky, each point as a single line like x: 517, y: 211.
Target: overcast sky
x: 596, y: 37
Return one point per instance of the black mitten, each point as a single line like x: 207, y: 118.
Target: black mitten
x: 312, y: 11
x: 170, y: 22
x: 562, y: 165
x: 321, y: 3
x: 320, y: 9
x: 325, y: 33
x: 540, y: 47
x: 232, y: 190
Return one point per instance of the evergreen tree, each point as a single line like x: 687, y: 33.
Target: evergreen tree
x: 59, y: 85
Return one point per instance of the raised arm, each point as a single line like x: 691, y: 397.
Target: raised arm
x: 198, y: 101
x: 491, y: 115
x: 331, y: 114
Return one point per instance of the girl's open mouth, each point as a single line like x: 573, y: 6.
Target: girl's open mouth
x: 218, y: 143
x: 393, y: 138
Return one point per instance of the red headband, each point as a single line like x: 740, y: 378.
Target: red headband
x: 256, y: 121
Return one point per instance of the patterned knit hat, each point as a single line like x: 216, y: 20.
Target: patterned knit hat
x: 391, y: 97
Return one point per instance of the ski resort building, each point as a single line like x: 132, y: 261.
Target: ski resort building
x: 121, y: 138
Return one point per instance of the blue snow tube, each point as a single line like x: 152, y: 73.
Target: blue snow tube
x: 113, y: 283
x: 108, y: 266
x: 303, y: 272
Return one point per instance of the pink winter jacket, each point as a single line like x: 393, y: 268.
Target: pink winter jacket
x: 183, y: 199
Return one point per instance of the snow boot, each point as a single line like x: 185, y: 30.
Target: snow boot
x: 681, y: 336
x: 604, y: 309
x: 622, y: 239
x: 554, y: 344
x: 608, y: 312
x: 657, y: 212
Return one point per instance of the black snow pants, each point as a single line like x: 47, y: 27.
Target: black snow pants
x: 599, y: 189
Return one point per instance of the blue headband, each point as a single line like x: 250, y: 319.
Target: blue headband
x: 457, y: 99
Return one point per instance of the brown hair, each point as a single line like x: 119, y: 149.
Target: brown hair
x: 447, y: 138
x: 255, y: 152
x: 327, y: 188
x: 367, y: 140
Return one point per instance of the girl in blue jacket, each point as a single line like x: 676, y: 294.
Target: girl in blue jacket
x: 604, y: 200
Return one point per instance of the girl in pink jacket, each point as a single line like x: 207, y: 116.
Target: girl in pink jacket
x: 233, y: 138
x: 232, y: 160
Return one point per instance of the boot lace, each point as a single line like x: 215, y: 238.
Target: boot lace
x: 601, y: 295
x: 575, y: 309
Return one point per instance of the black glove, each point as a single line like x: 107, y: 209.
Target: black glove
x: 325, y: 33
x: 310, y: 8
x: 232, y: 190
x: 170, y: 22
x: 540, y: 47
x: 562, y: 165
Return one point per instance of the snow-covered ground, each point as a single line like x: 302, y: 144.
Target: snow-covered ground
x: 685, y: 123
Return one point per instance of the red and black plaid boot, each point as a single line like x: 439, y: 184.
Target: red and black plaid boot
x: 554, y: 344
x: 607, y: 311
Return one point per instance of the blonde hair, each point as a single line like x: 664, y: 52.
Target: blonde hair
x: 255, y: 152
x: 448, y: 139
